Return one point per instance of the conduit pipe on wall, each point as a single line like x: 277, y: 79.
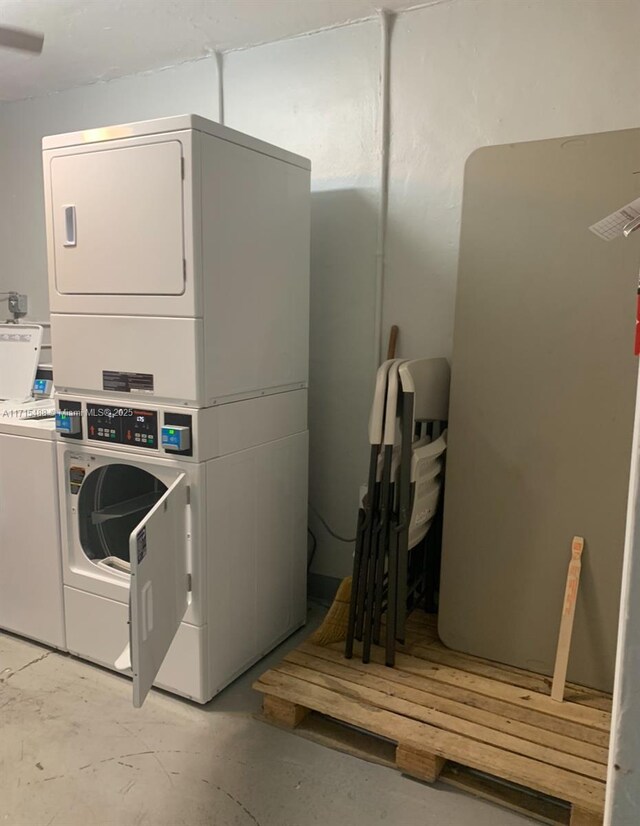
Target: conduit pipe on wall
x: 220, y: 73
x: 386, y: 25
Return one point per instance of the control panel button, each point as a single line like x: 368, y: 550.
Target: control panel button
x: 42, y: 387
x: 67, y: 424
x: 176, y: 437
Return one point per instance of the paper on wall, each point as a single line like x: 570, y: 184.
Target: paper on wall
x: 611, y: 227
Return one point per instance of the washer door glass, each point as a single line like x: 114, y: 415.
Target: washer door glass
x: 114, y: 499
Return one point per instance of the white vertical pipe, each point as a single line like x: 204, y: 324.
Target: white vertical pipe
x: 220, y: 73
x: 386, y: 22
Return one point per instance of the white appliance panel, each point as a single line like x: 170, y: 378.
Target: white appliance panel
x: 159, y: 588
x: 217, y: 431
x: 256, y: 519
x: 98, y: 630
x: 19, y: 355
x: 256, y: 211
x: 30, y: 564
x: 118, y: 220
x: 168, y: 350
x: 159, y: 127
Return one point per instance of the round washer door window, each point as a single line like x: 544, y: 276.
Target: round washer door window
x: 114, y: 499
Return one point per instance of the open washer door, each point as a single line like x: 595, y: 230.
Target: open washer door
x: 159, y: 585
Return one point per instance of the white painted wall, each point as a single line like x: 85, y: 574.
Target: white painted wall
x: 317, y: 96
x: 464, y: 73
x: 191, y: 87
x: 470, y: 73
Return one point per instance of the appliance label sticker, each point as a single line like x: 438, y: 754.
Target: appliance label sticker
x: 612, y: 226
x: 142, y: 544
x: 23, y: 338
x: 127, y: 382
x: 76, y: 478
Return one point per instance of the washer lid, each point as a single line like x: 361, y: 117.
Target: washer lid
x: 19, y: 357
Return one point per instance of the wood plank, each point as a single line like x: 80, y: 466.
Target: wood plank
x: 566, y: 623
x: 582, y: 817
x: 423, y: 633
x: 341, y: 737
x: 472, y: 699
x: 508, y: 796
x: 439, y: 653
x: 379, y: 699
x: 335, y: 735
x: 419, y: 764
x: 587, y: 793
x: 572, y: 712
x: 375, y: 676
x: 424, y: 628
x: 421, y: 621
x: 283, y: 712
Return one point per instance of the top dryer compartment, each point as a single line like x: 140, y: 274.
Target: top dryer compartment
x: 178, y: 250
x: 140, y: 217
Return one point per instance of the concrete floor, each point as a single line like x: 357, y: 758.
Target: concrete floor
x: 74, y: 752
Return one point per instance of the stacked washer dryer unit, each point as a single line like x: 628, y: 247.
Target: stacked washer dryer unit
x: 179, y: 284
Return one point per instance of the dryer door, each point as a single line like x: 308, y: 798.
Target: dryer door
x: 159, y: 585
x: 118, y: 221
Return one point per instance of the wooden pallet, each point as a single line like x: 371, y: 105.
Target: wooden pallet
x: 438, y: 707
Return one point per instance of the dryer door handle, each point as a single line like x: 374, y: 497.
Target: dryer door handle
x: 69, y: 225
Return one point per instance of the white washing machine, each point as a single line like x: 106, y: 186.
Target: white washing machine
x: 31, y: 601
x: 183, y: 569
x: 178, y: 261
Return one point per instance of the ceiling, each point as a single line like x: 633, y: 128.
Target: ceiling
x: 92, y: 40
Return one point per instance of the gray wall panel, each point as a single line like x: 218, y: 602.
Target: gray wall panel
x: 542, y: 401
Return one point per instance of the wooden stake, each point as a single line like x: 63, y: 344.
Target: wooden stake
x: 393, y: 341
x: 566, y: 624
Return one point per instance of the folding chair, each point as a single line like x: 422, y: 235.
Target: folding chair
x: 425, y: 401
x: 405, y: 472
x: 367, y: 514
x: 388, y: 461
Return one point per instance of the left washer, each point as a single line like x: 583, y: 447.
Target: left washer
x: 31, y: 600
